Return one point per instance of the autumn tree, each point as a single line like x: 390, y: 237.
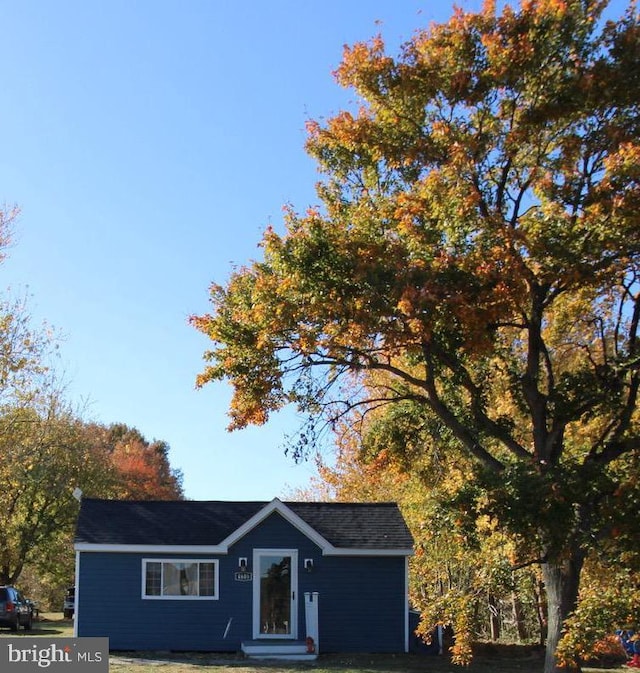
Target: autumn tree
x: 478, y: 241
x: 142, y: 470
x: 47, y: 451
x: 44, y: 457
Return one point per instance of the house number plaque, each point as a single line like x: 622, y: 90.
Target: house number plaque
x: 243, y: 576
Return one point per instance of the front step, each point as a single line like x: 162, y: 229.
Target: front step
x: 289, y: 650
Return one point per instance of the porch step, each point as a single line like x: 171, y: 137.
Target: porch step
x: 290, y: 650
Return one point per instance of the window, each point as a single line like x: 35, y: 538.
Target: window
x: 180, y: 579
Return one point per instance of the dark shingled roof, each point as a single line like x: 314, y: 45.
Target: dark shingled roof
x: 189, y: 522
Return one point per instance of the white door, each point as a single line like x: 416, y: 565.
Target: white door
x: 275, y: 593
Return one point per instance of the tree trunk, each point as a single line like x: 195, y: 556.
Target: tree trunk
x: 9, y: 575
x: 541, y: 611
x: 518, y: 617
x: 494, y: 617
x: 561, y: 587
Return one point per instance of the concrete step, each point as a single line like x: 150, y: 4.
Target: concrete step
x: 289, y: 650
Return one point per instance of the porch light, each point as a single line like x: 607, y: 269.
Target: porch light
x: 242, y: 564
x: 308, y: 564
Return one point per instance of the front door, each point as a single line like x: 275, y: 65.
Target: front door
x: 275, y: 593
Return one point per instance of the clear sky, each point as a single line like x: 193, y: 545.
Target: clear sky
x: 148, y: 144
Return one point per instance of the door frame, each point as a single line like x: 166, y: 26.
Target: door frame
x: 257, y: 631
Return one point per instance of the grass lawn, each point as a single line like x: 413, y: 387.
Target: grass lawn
x: 493, y: 659
x: 499, y: 662
x: 50, y: 624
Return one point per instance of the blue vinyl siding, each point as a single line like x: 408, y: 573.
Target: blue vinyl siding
x: 362, y: 602
x: 110, y: 604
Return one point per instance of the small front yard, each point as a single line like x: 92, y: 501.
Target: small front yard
x: 494, y: 659
x: 508, y: 661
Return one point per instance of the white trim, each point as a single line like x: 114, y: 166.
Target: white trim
x: 150, y: 549
x: 76, y: 596
x: 216, y: 586
x: 257, y: 632
x: 221, y: 550
x: 348, y: 551
x: 276, y: 505
x: 406, y: 604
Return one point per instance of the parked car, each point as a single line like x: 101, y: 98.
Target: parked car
x: 69, y: 603
x: 15, y: 610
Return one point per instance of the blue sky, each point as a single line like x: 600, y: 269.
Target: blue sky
x: 148, y: 144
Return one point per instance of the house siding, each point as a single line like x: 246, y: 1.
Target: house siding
x: 273, y: 533
x: 110, y: 604
x: 362, y: 602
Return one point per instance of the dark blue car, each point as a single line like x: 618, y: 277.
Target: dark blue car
x: 15, y: 610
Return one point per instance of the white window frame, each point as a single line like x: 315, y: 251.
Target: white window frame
x: 162, y: 561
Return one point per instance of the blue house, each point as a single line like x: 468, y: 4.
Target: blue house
x: 267, y: 578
